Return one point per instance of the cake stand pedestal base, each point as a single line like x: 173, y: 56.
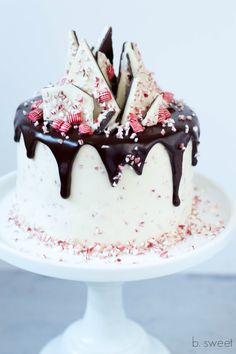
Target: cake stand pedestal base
x: 104, y: 329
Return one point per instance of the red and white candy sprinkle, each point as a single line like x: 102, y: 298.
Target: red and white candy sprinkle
x: 65, y: 127
x: 75, y: 118
x: 163, y: 114
x: 135, y: 124
x: 35, y: 115
x: 57, y: 123
x: 104, y: 96
x: 110, y: 72
x: 85, y: 129
x: 167, y: 96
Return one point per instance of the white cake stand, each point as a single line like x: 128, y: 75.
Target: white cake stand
x: 105, y: 329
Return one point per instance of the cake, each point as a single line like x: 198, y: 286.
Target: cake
x: 104, y: 159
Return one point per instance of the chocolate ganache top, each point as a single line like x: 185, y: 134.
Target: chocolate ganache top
x: 115, y: 150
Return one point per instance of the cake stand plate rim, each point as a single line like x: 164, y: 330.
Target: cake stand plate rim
x: 108, y: 272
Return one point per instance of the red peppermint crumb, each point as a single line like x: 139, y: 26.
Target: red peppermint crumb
x: 104, y: 96
x: 65, y: 127
x: 57, y: 123
x: 121, y: 248
x: 135, y: 124
x: 150, y: 244
x: 85, y: 129
x: 110, y: 72
x: 163, y: 114
x: 62, y: 244
x: 181, y: 226
x: 35, y: 115
x: 75, y: 118
x: 167, y: 96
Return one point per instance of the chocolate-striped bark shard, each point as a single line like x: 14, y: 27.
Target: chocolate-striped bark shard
x: 86, y: 74
x: 72, y: 50
x: 106, y: 45
x: 124, y: 78
x: 60, y: 102
x: 151, y: 117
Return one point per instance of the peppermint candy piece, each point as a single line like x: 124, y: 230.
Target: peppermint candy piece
x: 57, y: 123
x: 85, y: 129
x: 104, y: 96
x: 65, y: 127
x: 135, y: 124
x: 75, y: 118
x: 37, y: 104
x: 163, y: 114
x: 106, y: 68
x: 167, y: 96
x: 110, y: 72
x: 35, y: 115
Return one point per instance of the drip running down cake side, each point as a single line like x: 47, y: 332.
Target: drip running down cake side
x: 104, y: 158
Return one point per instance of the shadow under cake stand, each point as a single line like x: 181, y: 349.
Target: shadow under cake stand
x: 104, y: 328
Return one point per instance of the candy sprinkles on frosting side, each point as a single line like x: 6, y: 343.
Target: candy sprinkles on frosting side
x: 121, y: 116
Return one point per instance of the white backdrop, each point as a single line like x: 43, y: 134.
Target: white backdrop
x: 190, y: 45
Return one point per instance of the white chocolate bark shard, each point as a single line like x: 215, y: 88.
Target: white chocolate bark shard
x: 152, y: 114
x: 61, y: 101
x: 72, y: 50
x: 139, y: 70
x: 146, y: 87
x: 85, y: 73
x: 104, y: 63
x: 139, y: 100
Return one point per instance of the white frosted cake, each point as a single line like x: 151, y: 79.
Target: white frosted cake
x: 104, y: 159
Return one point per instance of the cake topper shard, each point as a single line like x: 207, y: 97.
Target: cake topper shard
x: 152, y: 115
x: 67, y: 102
x: 90, y: 75
x: 143, y: 90
x: 85, y: 73
x: 106, y: 45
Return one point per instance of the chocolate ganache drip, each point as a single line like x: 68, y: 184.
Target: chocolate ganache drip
x: 119, y: 151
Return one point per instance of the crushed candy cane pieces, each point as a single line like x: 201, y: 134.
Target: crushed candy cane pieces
x: 163, y: 114
x: 35, y: 115
x: 135, y: 124
x: 104, y: 96
x: 85, y: 129
x: 65, y: 127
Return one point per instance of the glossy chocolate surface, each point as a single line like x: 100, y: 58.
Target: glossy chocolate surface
x: 114, y: 152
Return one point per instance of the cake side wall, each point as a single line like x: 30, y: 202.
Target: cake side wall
x: 139, y: 207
